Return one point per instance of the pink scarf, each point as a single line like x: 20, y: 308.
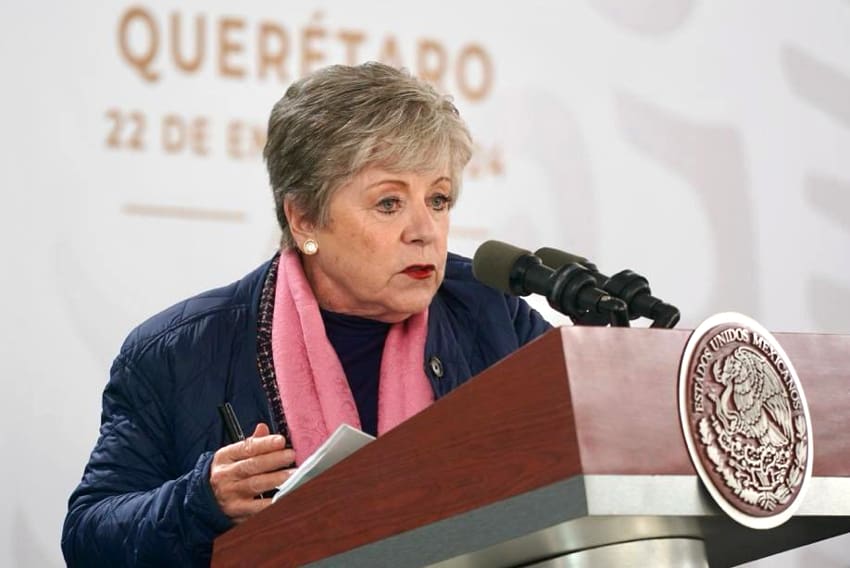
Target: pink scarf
x: 313, y: 388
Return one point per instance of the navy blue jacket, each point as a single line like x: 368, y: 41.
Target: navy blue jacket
x: 145, y: 497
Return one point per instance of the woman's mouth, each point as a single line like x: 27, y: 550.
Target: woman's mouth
x: 419, y: 271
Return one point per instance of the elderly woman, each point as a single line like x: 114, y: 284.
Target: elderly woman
x: 362, y: 318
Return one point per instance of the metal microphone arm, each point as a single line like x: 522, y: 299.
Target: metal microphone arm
x: 576, y: 294
x: 630, y: 287
x: 633, y: 289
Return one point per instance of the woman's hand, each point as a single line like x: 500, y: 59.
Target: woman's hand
x: 242, y: 471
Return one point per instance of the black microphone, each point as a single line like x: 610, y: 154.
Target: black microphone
x: 571, y: 289
x: 627, y: 285
x: 554, y: 258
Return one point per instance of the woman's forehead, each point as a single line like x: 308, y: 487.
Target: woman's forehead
x: 376, y: 174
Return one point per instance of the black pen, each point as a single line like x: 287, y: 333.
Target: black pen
x: 231, y: 424
x: 235, y: 434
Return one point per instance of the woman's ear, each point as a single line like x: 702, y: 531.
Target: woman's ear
x: 300, y: 227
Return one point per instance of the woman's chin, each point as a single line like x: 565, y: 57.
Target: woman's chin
x: 404, y: 306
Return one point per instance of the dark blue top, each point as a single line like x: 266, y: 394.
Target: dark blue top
x: 145, y: 497
x: 359, y: 344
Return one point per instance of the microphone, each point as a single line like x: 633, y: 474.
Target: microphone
x: 627, y: 285
x: 554, y: 258
x: 571, y: 288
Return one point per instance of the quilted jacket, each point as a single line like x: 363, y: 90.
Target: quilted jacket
x: 145, y: 498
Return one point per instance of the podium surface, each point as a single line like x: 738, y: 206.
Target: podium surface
x: 570, y: 444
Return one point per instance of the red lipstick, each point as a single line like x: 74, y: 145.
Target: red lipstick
x: 419, y: 271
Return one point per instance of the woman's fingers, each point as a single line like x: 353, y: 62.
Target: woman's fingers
x: 261, y: 464
x: 260, y: 430
x: 259, y: 484
x: 243, y: 470
x: 253, y: 446
x: 248, y: 504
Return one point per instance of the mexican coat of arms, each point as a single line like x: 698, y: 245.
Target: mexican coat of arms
x: 745, y: 420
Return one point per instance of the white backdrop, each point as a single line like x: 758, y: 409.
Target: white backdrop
x: 703, y: 144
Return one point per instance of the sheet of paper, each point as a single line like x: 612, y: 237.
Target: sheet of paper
x: 341, y: 444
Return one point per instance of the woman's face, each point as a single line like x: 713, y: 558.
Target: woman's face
x: 382, y: 254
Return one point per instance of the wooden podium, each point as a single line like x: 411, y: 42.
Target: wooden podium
x: 567, y: 453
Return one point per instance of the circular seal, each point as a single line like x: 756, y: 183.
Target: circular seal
x: 745, y: 420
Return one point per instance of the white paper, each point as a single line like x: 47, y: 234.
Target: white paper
x: 341, y: 444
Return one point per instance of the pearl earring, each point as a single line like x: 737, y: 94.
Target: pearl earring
x: 310, y: 247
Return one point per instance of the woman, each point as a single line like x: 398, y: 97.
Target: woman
x: 363, y: 318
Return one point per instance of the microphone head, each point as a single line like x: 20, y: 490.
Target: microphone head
x: 555, y: 259
x: 493, y: 264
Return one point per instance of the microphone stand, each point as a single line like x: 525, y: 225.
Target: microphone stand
x: 628, y: 286
x: 575, y: 294
x: 634, y: 290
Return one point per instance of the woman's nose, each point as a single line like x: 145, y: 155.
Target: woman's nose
x: 421, y: 225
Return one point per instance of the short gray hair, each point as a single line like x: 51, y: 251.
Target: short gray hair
x: 332, y: 124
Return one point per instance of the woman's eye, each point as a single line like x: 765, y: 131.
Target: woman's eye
x: 440, y: 202
x: 389, y: 205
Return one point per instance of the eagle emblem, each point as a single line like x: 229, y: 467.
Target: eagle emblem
x: 745, y: 420
x: 753, y: 401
